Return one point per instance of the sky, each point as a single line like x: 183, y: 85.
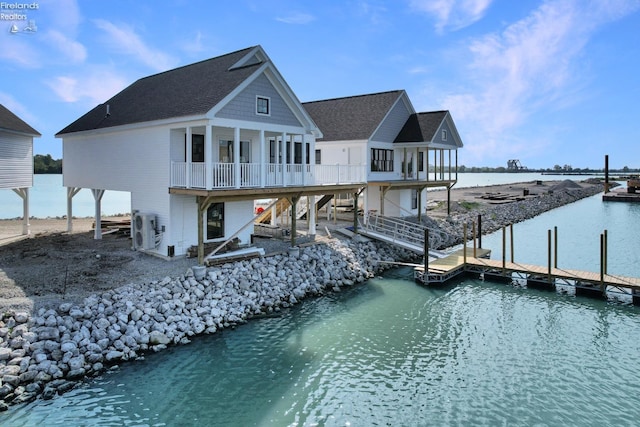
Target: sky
x: 547, y: 82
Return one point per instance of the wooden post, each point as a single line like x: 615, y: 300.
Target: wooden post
x: 425, y: 276
x: 448, y: 200
x: 355, y: 212
x: 555, y: 247
x: 605, y: 259
x: 504, y: 248
x: 335, y: 208
x: 602, y: 287
x: 511, y: 237
x: 201, y: 210
x: 294, y: 203
x: 549, y: 253
x: 464, y: 244
x: 480, y: 231
x: 606, y: 173
x: 475, y: 254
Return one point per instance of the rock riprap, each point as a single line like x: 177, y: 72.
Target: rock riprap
x: 50, y: 351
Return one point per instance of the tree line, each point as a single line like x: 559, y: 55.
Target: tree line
x: 46, y: 164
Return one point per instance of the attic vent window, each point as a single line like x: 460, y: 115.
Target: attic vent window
x: 444, y: 135
x: 263, y: 106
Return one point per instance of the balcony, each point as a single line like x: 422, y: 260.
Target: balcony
x: 220, y: 176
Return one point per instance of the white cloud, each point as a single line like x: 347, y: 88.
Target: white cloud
x: 71, y: 49
x: 531, y: 66
x: 91, y: 87
x: 19, y: 51
x: 125, y: 40
x: 453, y: 14
x: 16, y: 107
x: 298, y: 18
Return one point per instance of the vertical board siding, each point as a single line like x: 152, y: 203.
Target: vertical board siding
x: 16, y: 161
x: 393, y: 123
x: 243, y: 106
x: 136, y: 161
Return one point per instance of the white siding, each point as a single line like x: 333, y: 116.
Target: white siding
x: 16, y: 161
x: 122, y: 161
x: 136, y: 161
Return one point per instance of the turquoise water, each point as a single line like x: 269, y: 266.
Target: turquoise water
x: 386, y: 353
x: 579, y: 226
x: 48, y: 198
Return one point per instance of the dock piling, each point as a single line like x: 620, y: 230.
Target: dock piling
x: 549, y: 253
x: 555, y: 247
x: 425, y: 277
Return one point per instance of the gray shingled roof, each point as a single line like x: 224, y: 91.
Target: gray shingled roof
x: 190, y: 90
x: 421, y: 127
x: 353, y: 117
x: 11, y: 122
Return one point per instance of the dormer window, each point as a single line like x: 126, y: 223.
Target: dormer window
x: 263, y: 106
x: 444, y: 135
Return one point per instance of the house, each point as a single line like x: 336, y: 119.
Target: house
x: 16, y: 158
x: 405, y: 152
x: 195, y: 146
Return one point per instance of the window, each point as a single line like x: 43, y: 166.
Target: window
x: 381, y: 160
x: 318, y: 157
x: 444, y: 135
x: 414, y: 199
x: 215, y: 221
x: 197, y: 148
x: 421, y: 161
x: 263, y: 106
x: 226, y: 151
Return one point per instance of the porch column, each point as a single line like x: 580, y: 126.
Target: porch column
x: 188, y: 146
x: 292, y: 158
x: 284, y: 159
x: 303, y: 155
x: 276, y: 160
x: 236, y: 157
x: 435, y: 165
x: 312, y: 163
x: 456, y: 165
x: 208, y: 157
x: 71, y: 191
x: 405, y: 166
x: 97, y: 195
x: 263, y: 164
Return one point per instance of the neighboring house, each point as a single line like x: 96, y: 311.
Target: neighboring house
x: 16, y: 158
x: 195, y: 146
x: 383, y: 132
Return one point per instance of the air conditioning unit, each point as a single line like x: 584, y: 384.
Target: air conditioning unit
x: 143, y: 231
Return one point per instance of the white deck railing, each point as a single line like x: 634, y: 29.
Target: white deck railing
x: 223, y: 175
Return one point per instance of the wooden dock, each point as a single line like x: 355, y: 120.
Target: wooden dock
x: 586, y: 282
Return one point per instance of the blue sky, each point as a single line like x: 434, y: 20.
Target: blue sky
x: 553, y: 82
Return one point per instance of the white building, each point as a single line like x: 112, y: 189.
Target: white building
x: 16, y: 158
x: 404, y: 152
x: 195, y: 146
